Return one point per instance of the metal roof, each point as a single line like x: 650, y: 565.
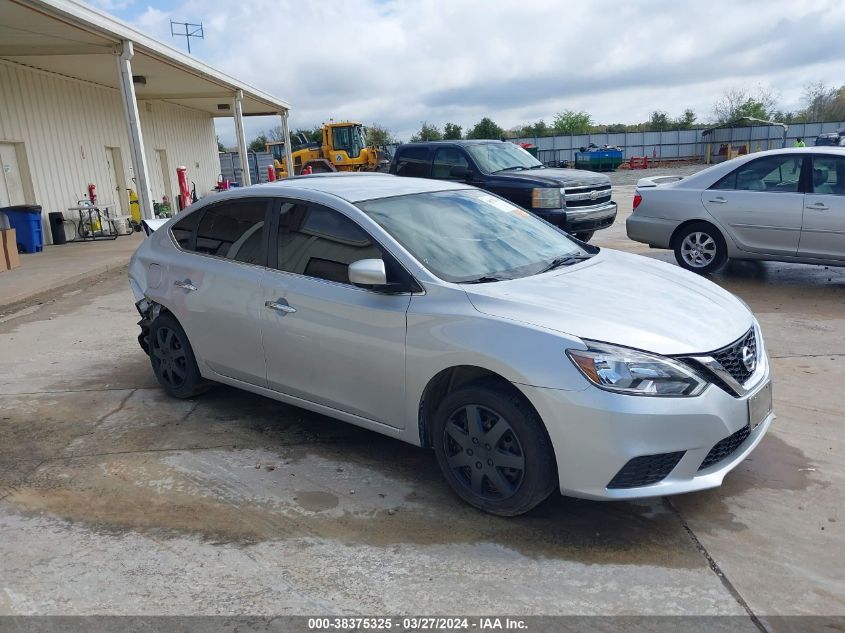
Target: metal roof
x: 79, y: 41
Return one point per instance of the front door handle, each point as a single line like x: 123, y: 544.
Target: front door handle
x: 185, y: 285
x: 280, y: 306
x: 718, y: 200
x: 821, y: 206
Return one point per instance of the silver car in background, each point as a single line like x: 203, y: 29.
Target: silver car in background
x: 784, y: 205
x: 444, y: 316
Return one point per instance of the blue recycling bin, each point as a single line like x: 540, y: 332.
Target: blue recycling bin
x: 26, y: 220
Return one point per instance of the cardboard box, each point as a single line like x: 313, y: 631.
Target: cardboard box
x: 10, y: 246
x: 3, y: 265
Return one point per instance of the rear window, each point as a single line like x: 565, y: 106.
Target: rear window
x: 413, y: 161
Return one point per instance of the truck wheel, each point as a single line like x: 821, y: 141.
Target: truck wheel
x: 700, y: 247
x: 493, y: 449
x: 173, y: 359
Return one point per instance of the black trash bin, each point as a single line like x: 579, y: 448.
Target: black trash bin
x: 57, y: 227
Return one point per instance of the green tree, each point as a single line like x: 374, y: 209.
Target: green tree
x: 258, y: 144
x: 738, y: 103
x: 379, y: 135
x: 615, y: 128
x: 571, y: 122
x: 220, y: 147
x: 486, y: 128
x: 427, y: 132
x: 659, y: 121
x: 452, y: 132
x: 311, y: 134
x: 686, y: 120
x: 823, y: 103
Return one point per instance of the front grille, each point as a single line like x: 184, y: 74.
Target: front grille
x: 730, y: 357
x: 645, y: 470
x: 726, y: 447
x: 582, y: 196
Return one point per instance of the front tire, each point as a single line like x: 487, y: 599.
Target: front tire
x: 173, y: 360
x: 493, y: 449
x: 700, y: 247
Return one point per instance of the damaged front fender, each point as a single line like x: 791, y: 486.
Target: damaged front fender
x: 149, y: 311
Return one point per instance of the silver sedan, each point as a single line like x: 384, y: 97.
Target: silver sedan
x: 447, y: 317
x: 783, y: 205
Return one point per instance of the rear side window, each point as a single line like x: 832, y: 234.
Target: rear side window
x: 829, y: 175
x: 413, y: 161
x: 183, y: 230
x: 233, y: 230
x: 773, y: 174
x: 318, y: 242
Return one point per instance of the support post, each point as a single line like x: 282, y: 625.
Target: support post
x: 133, y: 125
x: 288, y: 148
x: 246, y: 179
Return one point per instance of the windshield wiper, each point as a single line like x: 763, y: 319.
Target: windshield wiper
x: 563, y: 261
x: 508, y: 168
x: 538, y: 167
x: 486, y: 279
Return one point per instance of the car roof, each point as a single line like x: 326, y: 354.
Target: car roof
x: 462, y: 142
x: 355, y: 187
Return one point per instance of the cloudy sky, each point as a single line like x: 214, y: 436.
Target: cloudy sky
x: 399, y: 63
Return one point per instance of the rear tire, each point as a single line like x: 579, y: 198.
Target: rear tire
x: 493, y: 448
x: 173, y: 360
x: 700, y: 247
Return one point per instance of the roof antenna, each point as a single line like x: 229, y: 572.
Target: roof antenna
x: 191, y: 30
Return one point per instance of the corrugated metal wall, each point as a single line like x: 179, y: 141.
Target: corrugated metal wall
x: 678, y: 143
x: 65, y: 126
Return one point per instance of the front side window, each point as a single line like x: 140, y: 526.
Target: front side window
x: 471, y: 235
x: 829, y: 175
x: 413, y: 161
x: 777, y: 174
x: 319, y: 242
x: 495, y: 157
x: 233, y: 230
x: 444, y: 159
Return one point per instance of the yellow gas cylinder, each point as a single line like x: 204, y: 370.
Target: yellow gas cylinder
x: 134, y: 207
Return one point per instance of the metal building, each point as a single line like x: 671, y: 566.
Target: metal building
x: 86, y: 98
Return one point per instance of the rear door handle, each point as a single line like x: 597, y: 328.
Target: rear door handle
x: 818, y: 205
x: 185, y: 285
x: 718, y: 200
x: 280, y: 306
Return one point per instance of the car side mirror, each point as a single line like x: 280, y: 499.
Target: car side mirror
x: 460, y: 172
x: 368, y: 272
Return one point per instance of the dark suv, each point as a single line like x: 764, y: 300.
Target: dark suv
x: 575, y: 200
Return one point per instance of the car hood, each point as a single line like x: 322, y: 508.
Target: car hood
x: 624, y: 299
x: 557, y: 177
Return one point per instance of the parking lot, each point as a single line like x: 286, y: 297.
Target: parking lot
x: 116, y: 499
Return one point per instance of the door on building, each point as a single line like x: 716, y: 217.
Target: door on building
x: 12, y: 190
x: 117, y: 181
x: 164, y: 174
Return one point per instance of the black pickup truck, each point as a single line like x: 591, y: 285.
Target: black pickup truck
x: 577, y: 201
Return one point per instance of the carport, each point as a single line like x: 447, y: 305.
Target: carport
x: 64, y: 66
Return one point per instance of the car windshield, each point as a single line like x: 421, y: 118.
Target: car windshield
x: 473, y: 236
x: 493, y: 157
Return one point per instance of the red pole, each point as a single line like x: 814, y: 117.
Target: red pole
x: 184, y: 190
x: 271, y: 173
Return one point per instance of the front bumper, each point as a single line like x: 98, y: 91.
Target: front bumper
x: 595, y: 433
x: 581, y: 219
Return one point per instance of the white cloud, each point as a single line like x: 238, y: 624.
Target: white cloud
x: 399, y: 63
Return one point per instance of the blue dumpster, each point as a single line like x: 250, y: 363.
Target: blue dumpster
x: 26, y: 220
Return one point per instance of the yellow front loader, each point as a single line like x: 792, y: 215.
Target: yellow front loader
x: 343, y: 148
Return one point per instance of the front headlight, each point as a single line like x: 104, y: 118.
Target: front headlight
x: 545, y: 198
x: 629, y: 371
